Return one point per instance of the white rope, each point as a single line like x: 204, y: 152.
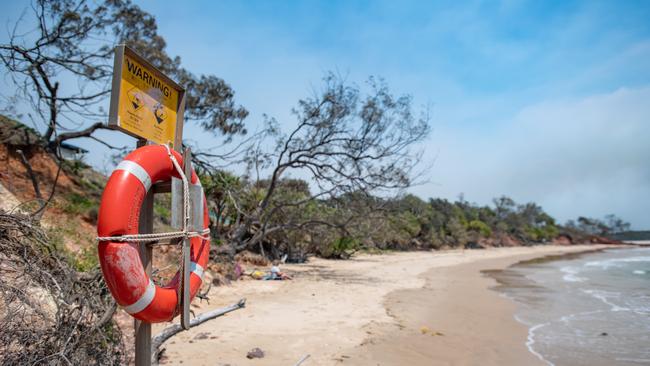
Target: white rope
x: 185, y: 233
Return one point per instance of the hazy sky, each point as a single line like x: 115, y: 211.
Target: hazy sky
x: 541, y: 101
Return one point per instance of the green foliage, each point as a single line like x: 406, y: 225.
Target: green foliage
x: 78, y: 204
x: 406, y: 223
x: 480, y: 227
x: 87, y: 260
x: 161, y: 211
x: 75, y: 167
x: 410, y: 223
x: 56, y: 236
x: 403, y: 223
x: 610, y: 226
x: 458, y: 231
x: 542, y: 234
x: 162, y: 208
x: 342, y: 247
x: 633, y: 235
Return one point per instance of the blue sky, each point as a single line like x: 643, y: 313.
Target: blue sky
x: 545, y: 101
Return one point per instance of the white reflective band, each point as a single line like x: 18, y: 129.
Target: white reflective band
x: 136, y: 170
x: 143, y: 301
x: 196, y: 269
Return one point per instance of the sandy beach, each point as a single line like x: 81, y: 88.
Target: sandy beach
x: 415, y: 308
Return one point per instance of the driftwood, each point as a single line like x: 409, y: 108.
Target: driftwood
x: 168, y: 332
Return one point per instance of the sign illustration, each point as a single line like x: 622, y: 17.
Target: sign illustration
x: 145, y: 103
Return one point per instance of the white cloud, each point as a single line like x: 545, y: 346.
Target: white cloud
x: 575, y: 157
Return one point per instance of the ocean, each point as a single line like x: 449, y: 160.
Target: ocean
x: 587, y: 309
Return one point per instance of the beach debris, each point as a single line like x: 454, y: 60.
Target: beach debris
x: 238, y: 271
x: 255, y: 353
x: 202, y: 335
x: 342, y: 358
x: 276, y: 274
x: 426, y: 330
x: 257, y: 274
x: 603, y: 334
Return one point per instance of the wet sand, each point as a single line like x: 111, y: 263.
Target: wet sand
x: 416, y: 308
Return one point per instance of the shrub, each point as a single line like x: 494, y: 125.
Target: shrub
x: 480, y: 227
x: 342, y: 248
x: 78, y: 204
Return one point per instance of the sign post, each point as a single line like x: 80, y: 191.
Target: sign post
x: 143, y: 329
x: 185, y: 295
x: 149, y: 105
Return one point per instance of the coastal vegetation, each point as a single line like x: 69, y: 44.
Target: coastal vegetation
x: 336, y: 228
x: 297, y: 220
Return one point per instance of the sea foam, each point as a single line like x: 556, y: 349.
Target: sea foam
x: 616, y: 262
x: 570, y: 274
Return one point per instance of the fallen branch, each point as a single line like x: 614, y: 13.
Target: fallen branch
x: 169, y: 332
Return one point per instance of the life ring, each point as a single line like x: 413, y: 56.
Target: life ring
x: 119, y: 214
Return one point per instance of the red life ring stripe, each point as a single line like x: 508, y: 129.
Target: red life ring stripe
x: 119, y: 214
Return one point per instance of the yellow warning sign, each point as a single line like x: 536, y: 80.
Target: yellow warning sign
x: 146, y: 102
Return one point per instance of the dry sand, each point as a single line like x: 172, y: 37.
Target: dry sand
x: 416, y: 308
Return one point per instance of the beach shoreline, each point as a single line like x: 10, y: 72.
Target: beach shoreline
x: 415, y: 308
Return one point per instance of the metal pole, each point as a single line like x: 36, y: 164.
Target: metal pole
x: 185, y: 295
x: 143, y: 329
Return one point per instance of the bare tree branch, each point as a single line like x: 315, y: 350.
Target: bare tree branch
x: 87, y: 132
x: 345, y: 143
x: 30, y: 173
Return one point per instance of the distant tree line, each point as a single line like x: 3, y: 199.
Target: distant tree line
x: 357, y: 221
x: 611, y: 225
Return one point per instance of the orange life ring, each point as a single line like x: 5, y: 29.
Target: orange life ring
x: 119, y: 214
